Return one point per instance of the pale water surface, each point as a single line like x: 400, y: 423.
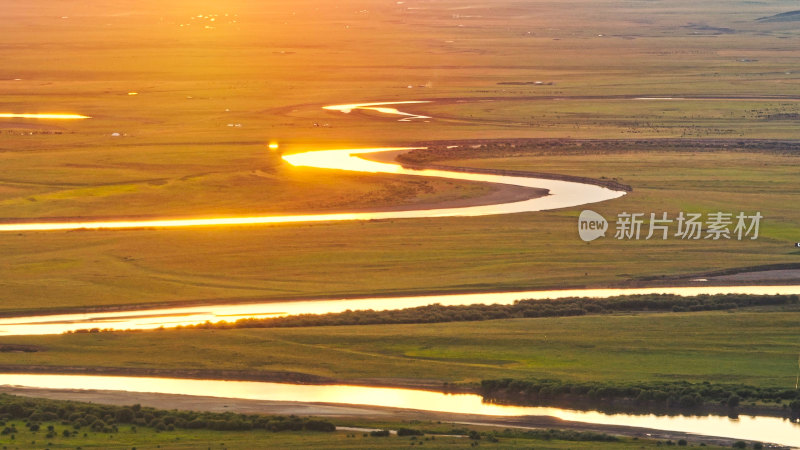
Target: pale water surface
x: 171, y: 317
x: 763, y: 429
x: 43, y: 116
x: 563, y: 194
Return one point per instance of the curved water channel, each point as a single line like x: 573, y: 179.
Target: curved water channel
x: 763, y: 429
x: 381, y: 107
x: 149, y: 319
x: 562, y: 194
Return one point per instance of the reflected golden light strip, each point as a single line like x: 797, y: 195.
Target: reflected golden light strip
x: 562, y: 194
x: 381, y: 108
x: 153, y: 318
x: 337, y: 159
x: 220, y: 221
x: 43, y: 116
x: 350, y: 107
x: 757, y: 428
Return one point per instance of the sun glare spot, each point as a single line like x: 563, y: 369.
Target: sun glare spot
x: 273, y: 145
x: 43, y: 116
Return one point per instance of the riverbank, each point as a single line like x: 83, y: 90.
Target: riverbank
x: 499, y: 397
x: 745, y: 280
x: 351, y: 414
x: 517, y: 247
x: 626, y: 348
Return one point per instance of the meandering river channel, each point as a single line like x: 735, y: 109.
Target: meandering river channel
x: 148, y: 319
x: 562, y: 194
x: 762, y: 429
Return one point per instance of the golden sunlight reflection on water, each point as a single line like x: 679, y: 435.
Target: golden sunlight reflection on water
x: 43, y: 116
x: 171, y: 317
x: 763, y: 429
x: 563, y: 194
x: 381, y: 107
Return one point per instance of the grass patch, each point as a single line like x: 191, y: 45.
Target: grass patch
x: 693, y: 347
x: 38, y: 423
x: 521, y: 251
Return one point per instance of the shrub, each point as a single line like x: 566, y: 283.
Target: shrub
x: 320, y: 425
x: 408, y: 432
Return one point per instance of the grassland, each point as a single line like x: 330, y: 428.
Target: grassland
x: 695, y: 347
x: 147, y: 438
x: 523, y: 251
x: 177, y: 155
x: 47, y: 423
x: 210, y: 95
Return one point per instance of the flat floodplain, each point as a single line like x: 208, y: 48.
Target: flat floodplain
x: 516, y: 252
x: 210, y: 95
x: 184, y: 109
x: 750, y: 347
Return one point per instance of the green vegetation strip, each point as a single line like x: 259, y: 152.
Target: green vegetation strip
x: 501, y: 148
x: 572, y: 306
x: 753, y: 346
x: 44, y: 423
x: 650, y: 396
x: 107, y: 418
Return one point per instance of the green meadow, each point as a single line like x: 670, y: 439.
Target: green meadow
x: 210, y: 96
x: 754, y: 347
x: 185, y: 98
x: 515, y: 252
x: 149, y: 438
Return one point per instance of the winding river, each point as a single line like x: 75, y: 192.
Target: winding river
x: 148, y: 319
x: 763, y: 429
x: 562, y: 194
